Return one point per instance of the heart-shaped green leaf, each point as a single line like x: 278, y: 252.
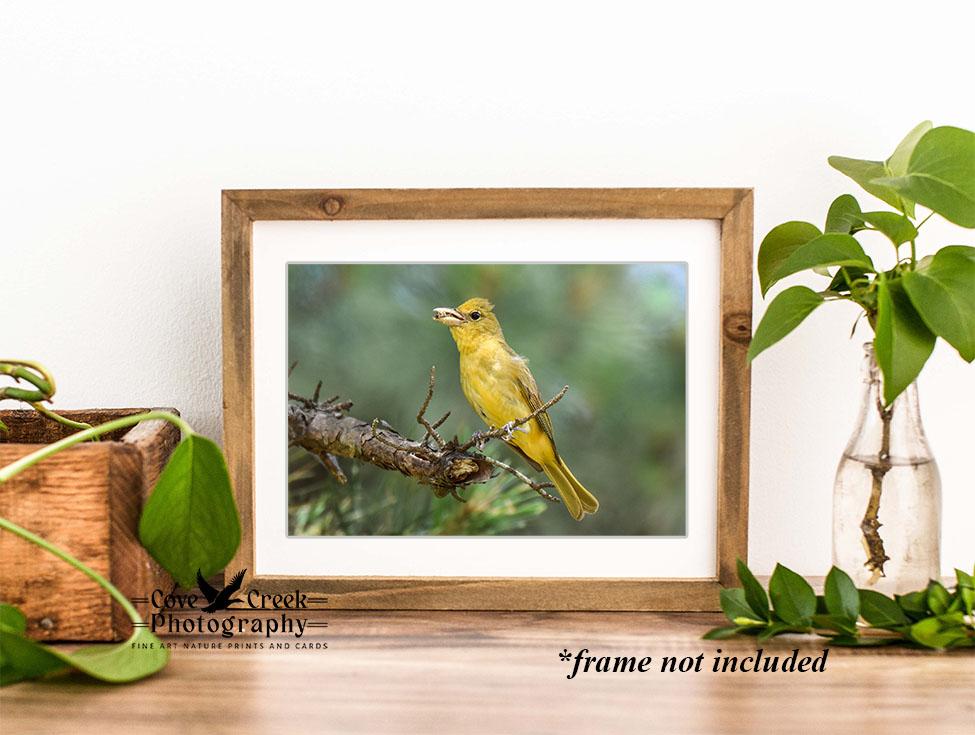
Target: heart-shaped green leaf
x: 940, y: 174
x: 898, y: 228
x: 866, y: 174
x: 844, y: 215
x: 793, y: 598
x: 899, y: 159
x: 842, y: 598
x: 12, y: 619
x: 778, y: 245
x: 784, y: 313
x: 141, y: 655
x: 833, y: 248
x: 190, y: 522
x: 942, y: 291
x: 902, y: 342
x: 881, y: 611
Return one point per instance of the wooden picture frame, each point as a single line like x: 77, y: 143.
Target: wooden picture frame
x: 733, y: 208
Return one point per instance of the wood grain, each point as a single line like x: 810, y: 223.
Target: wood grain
x: 732, y: 207
x: 502, y: 593
x: 238, y: 369
x: 87, y: 499
x: 409, y: 204
x: 734, y: 386
x: 421, y: 672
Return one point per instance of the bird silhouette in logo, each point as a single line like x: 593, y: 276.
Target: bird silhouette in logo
x: 224, y: 598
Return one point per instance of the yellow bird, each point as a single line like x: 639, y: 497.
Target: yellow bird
x: 499, y: 386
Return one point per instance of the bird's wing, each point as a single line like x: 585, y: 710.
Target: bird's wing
x: 529, y: 391
x: 235, y: 582
x: 535, y: 465
x: 209, y: 592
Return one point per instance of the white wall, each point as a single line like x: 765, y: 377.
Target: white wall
x: 122, y: 122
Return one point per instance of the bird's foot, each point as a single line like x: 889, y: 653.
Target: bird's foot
x: 509, y: 429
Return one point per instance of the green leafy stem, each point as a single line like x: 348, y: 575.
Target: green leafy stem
x: 42, y: 392
x: 909, y: 305
x: 189, y: 524
x: 933, y: 618
x: 90, y: 433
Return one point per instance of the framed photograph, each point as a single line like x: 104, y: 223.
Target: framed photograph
x: 489, y: 399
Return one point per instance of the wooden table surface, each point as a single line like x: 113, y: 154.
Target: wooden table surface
x: 421, y: 672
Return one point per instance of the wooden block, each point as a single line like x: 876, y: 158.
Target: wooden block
x: 87, y: 500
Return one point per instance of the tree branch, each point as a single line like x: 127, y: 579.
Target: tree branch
x: 870, y: 525
x: 324, y: 429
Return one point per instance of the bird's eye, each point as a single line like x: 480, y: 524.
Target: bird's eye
x: 475, y: 315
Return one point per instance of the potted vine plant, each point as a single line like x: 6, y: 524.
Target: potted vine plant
x: 887, y: 476
x: 189, y: 525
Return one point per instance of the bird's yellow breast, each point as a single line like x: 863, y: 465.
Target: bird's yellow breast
x: 489, y: 377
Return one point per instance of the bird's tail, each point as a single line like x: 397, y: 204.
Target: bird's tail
x: 578, y: 501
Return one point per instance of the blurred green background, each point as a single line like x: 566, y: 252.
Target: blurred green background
x: 614, y: 333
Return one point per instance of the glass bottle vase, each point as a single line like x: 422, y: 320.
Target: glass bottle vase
x: 887, y: 494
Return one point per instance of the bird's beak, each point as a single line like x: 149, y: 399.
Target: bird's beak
x: 450, y: 317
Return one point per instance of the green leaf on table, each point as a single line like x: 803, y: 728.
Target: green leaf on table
x: 914, y: 604
x: 723, y: 632
x: 833, y: 248
x: 866, y: 174
x: 778, y: 245
x: 12, y: 619
x: 898, y: 228
x: 25, y: 659
x: 966, y: 590
x: 942, y: 291
x: 835, y: 622
x: 938, y: 598
x: 779, y: 628
x: 940, y: 174
x: 844, y: 215
x: 734, y: 605
x: 190, y: 522
x: 786, y: 312
x: 902, y: 342
x: 719, y: 634
x: 936, y: 633
x: 821, y: 608
x: 755, y: 594
x: 13, y: 623
x: 965, y: 579
x: 881, y: 611
x: 842, y: 598
x: 862, y: 641
x: 793, y: 598
x: 138, y: 657
x: 899, y: 159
